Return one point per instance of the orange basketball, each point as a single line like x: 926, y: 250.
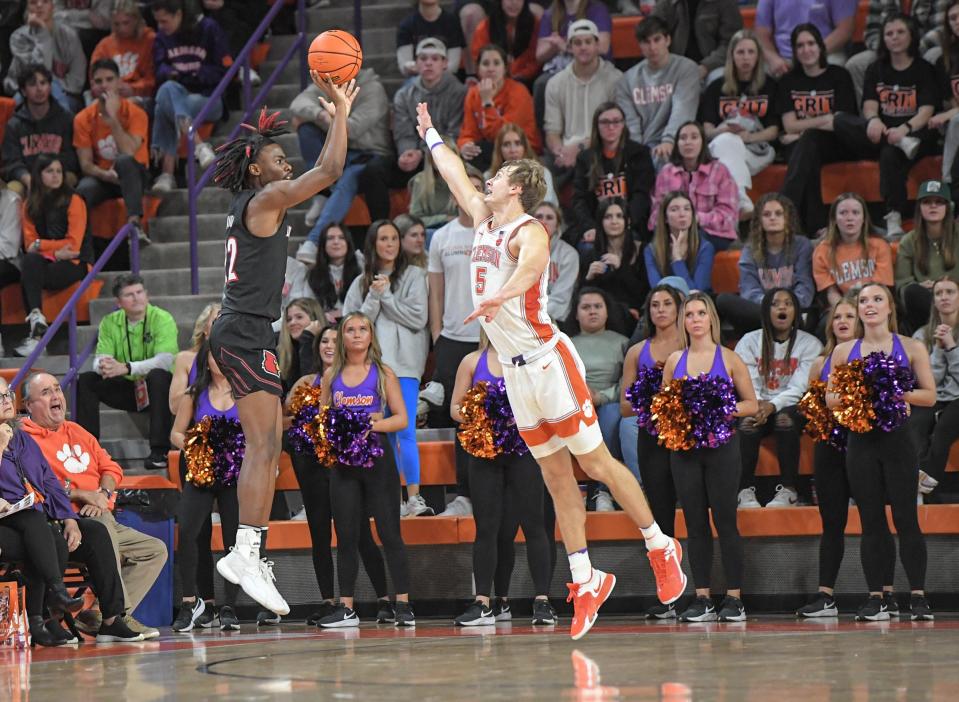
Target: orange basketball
x: 336, y: 53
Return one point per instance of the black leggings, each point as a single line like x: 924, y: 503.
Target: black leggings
x: 506, y: 549
x: 917, y: 300
x: 882, y: 466
x: 942, y: 421
x: 38, y: 274
x: 204, y: 551
x: 709, y: 478
x: 832, y: 489
x: 314, y: 481
x: 40, y: 545
x: 196, y: 504
x: 356, y: 493
x: 507, y: 493
x: 787, y: 447
x: 657, y: 480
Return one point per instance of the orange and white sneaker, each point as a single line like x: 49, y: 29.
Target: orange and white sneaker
x: 667, y: 566
x: 587, y: 601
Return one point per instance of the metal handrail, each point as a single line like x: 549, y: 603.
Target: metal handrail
x: 194, y: 186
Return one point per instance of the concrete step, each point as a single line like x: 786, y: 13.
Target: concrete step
x: 223, y: 129
x: 56, y: 363
x: 176, y: 281
x: 210, y: 254
x: 340, y: 16
x: 117, y: 424
x: 210, y: 227
x: 211, y: 199
x: 129, y: 452
x: 185, y: 307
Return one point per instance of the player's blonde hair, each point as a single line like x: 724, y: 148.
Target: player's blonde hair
x: 531, y: 176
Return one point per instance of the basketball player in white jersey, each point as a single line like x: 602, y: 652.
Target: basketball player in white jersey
x: 544, y: 375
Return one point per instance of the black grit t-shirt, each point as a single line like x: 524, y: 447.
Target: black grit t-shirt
x: 900, y: 93
x: 830, y: 92
x: 714, y: 107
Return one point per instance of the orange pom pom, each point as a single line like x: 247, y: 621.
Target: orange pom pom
x: 855, y: 411
x: 669, y: 414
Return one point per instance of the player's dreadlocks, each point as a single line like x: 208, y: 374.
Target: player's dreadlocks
x: 236, y: 156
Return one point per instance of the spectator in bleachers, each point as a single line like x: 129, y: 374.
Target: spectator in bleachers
x: 937, y: 428
x: 602, y: 351
x: 776, y: 255
x: 810, y: 96
x: 850, y: 255
x: 337, y: 265
x: 512, y: 25
x: 302, y: 320
x: 90, y: 19
x: 184, y: 364
x: 11, y: 239
x: 947, y: 73
x: 429, y: 21
x: 58, y: 251
x: 678, y: 248
x: 572, y: 98
x: 739, y: 116
x: 56, y: 46
x: 702, y: 38
x: 450, y: 302
x: 614, y: 264
x: 496, y: 100
x: 899, y: 97
x: 39, y: 126
x: 512, y: 144
x: 393, y: 294
x: 563, y: 263
x: 707, y: 182
x: 412, y: 238
x: 778, y: 358
x: 131, y: 367
x: 776, y: 19
x: 130, y: 46
x: 110, y: 136
x: 928, y: 252
x: 91, y: 478
x: 430, y: 197
x: 660, y: 93
x: 929, y: 18
x: 191, y: 55
x: 239, y: 19
x: 369, y: 138
x: 445, y: 95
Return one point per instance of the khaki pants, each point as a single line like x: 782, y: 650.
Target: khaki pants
x: 140, y: 558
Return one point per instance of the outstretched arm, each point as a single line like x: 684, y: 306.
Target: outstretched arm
x: 450, y: 167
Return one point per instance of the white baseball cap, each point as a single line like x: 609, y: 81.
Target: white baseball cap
x: 583, y: 26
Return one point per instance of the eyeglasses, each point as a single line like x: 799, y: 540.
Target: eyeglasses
x: 9, y: 395
x: 610, y: 122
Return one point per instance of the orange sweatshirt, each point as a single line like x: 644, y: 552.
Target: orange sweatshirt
x: 76, y: 229
x: 75, y: 455
x: 134, y: 57
x: 512, y: 103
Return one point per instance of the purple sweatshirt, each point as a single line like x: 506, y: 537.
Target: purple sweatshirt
x: 199, y: 58
x: 25, y: 452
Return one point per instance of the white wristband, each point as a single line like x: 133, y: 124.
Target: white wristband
x: 432, y: 138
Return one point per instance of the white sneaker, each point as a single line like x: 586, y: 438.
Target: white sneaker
x: 746, y: 207
x: 205, y: 155
x: 785, y: 497
x: 255, y: 577
x: 215, y: 518
x: 307, y: 253
x: 747, y: 499
x: 26, y: 347
x: 316, y: 208
x: 894, y: 230
x: 909, y: 146
x: 926, y: 483
x: 603, y: 502
x: 433, y: 393
x: 460, y: 507
x: 416, y: 507
x: 299, y: 516
x: 164, y: 183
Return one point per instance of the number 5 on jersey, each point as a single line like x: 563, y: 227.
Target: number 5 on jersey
x: 479, y: 284
x: 231, y: 251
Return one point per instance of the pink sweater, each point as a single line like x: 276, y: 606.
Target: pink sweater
x: 712, y: 190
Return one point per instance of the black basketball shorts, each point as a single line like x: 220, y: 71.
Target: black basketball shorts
x: 243, y: 346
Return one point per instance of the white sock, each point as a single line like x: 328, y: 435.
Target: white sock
x: 655, y: 538
x: 580, y: 567
x: 248, y: 541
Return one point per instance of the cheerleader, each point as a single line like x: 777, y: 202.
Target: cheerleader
x: 208, y: 396
x: 358, y: 379
x: 507, y: 492
x: 661, y: 314
x: 314, y: 482
x: 883, y: 465
x: 708, y: 478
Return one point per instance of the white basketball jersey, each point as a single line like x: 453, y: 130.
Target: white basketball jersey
x: 522, y: 324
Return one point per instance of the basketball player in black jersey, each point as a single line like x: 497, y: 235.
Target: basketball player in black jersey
x: 256, y: 170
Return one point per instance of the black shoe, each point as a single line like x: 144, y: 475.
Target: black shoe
x: 701, y: 609
x: 228, y: 620
x: 39, y: 636
x: 661, y: 611
x: 340, y: 618
x: 187, y: 616
x: 920, y: 610
x: 822, y: 605
x: 57, y: 631
x: 386, y: 614
x: 732, y: 610
x: 543, y: 613
x: 267, y: 618
x: 477, y: 614
x: 142, y: 237
x: 157, y: 460
x: 873, y: 610
x: 501, y: 610
x: 208, y: 619
x: 892, y: 604
x: 60, y: 599
x: 404, y: 614
x: 118, y: 632
x: 326, y: 609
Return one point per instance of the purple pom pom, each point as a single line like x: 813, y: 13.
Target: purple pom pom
x: 229, y: 444
x: 506, y: 436
x: 887, y: 382
x: 649, y: 381
x: 710, y: 403
x: 300, y: 439
x: 351, y: 438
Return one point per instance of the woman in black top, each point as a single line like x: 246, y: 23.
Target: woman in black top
x: 612, y: 166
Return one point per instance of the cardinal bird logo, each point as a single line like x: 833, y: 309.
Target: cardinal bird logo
x: 270, y: 365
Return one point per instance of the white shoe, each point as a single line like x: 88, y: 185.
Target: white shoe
x: 26, y: 347
x: 747, y: 499
x: 307, y: 253
x: 316, y: 208
x: 215, y: 518
x: 746, y: 207
x: 603, y: 502
x: 909, y: 146
x: 164, y: 183
x: 255, y: 577
x: 894, y: 230
x: 205, y: 155
x: 433, y: 393
x: 404, y: 510
x: 299, y: 516
x: 416, y: 507
x: 460, y: 507
x: 926, y: 483
x: 785, y: 497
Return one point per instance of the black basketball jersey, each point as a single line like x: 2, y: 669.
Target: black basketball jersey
x: 255, y: 267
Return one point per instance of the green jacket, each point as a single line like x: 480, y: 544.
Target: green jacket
x: 145, y: 345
